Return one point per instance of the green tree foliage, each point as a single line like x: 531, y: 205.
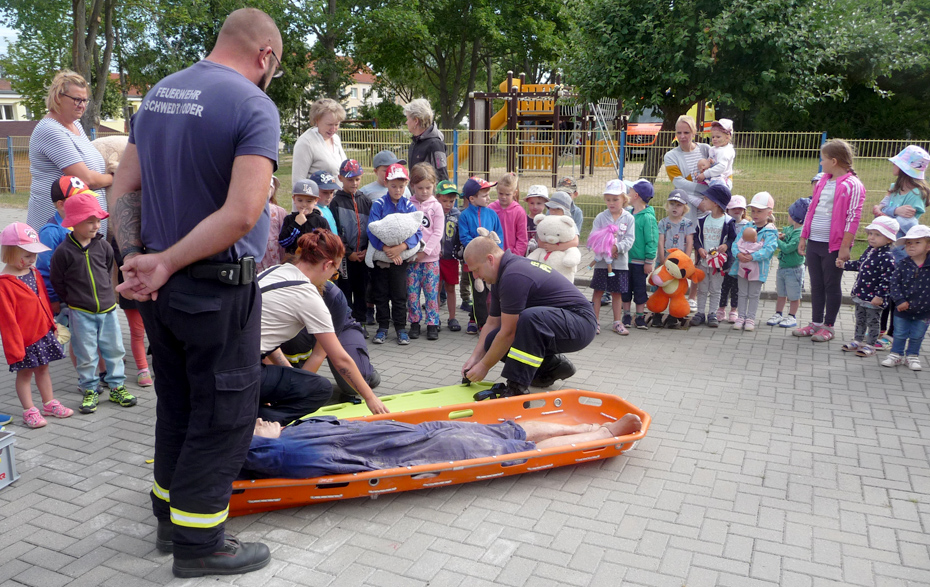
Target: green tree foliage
x: 440, y: 46
x: 384, y: 114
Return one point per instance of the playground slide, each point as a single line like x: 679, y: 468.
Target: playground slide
x: 498, y: 121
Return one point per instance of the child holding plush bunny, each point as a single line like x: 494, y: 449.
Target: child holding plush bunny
x: 611, y: 270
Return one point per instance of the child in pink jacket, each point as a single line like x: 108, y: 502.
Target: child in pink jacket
x: 511, y: 214
x: 423, y: 271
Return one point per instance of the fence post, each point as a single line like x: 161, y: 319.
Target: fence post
x: 621, y: 153
x: 823, y: 139
x: 455, y: 156
x: 9, y: 155
x: 93, y: 134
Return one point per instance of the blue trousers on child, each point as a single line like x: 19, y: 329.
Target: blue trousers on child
x: 908, y: 332
x: 94, y: 335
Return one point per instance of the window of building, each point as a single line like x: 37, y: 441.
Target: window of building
x: 6, y: 112
x: 355, y: 93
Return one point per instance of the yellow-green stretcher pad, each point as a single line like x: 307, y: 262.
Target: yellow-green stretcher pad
x: 414, y: 400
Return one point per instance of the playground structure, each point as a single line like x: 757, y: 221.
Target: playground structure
x: 541, y: 123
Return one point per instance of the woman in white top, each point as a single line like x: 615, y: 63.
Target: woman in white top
x: 681, y: 163
x: 320, y: 148
x: 292, y: 301
x: 59, y: 146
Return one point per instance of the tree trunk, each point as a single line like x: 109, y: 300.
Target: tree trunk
x: 86, y: 56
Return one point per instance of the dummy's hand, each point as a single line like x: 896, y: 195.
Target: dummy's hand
x: 477, y: 372
x: 376, y: 406
x: 905, y: 211
x: 143, y: 276
x: 903, y: 306
x: 877, y: 302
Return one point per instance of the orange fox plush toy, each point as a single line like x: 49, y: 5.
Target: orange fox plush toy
x: 671, y: 279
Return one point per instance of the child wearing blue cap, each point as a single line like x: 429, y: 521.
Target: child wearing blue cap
x: 789, y: 279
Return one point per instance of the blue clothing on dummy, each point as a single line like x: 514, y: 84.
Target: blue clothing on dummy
x: 326, y: 446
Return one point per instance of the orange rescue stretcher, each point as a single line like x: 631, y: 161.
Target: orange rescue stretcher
x: 571, y: 406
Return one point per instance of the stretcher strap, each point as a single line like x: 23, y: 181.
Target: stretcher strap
x: 524, y: 357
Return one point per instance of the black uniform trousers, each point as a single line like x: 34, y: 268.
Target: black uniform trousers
x: 288, y: 393
x: 543, y: 332
x: 204, y: 338
x: 353, y: 286
x: 389, y: 286
x: 352, y: 341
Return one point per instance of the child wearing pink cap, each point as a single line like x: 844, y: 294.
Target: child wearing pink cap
x: 80, y: 272
x: 27, y: 324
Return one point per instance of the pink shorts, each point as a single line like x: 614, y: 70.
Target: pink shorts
x: 449, y: 271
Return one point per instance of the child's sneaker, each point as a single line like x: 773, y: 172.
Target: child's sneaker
x: 606, y: 299
x: 738, y: 323
x: 414, y: 330
x: 749, y: 325
x: 89, y: 404
x: 692, y: 304
x: 657, y: 320
x: 33, y: 418
x: 465, y: 307
x: 5, y: 419
x: 402, y: 337
x: 641, y: 323
x: 883, y: 343
x: 913, y: 363
x: 712, y: 321
x: 788, y: 322
x: 893, y: 360
x: 823, y: 334
x: 775, y: 320
x: 472, y: 327
x: 454, y: 325
x: 370, y: 317
x: 54, y: 408
x: 721, y: 314
x: 144, y: 378
x: 808, y: 330
x: 620, y: 329
x: 697, y: 319
x: 627, y: 320
x: 121, y: 396
x: 380, y: 336
x: 432, y: 332
x: 733, y: 316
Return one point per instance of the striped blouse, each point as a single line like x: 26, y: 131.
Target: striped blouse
x: 52, y: 147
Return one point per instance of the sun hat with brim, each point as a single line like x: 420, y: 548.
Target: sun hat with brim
x: 20, y: 234
x: 886, y: 225
x: 79, y: 208
x: 916, y: 232
x: 719, y: 194
x: 538, y: 191
x: 561, y: 200
x: 913, y: 161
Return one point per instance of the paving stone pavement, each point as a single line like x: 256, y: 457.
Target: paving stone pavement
x: 770, y: 461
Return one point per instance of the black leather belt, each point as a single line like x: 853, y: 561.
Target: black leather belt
x: 240, y: 273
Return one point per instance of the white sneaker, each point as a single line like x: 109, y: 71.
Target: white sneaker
x: 749, y: 325
x: 913, y: 363
x: 738, y: 324
x: 693, y: 305
x: 788, y: 322
x: 775, y: 320
x: 894, y: 359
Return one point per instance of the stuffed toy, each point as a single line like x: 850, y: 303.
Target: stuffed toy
x: 601, y: 242
x: 555, y: 230
x: 671, y: 279
x: 716, y: 260
x: 394, y: 229
x: 111, y: 148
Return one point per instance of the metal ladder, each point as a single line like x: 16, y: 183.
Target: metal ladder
x: 601, y: 123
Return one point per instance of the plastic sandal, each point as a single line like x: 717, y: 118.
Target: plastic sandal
x: 852, y: 346
x: 54, y: 408
x: 824, y: 334
x: 619, y: 328
x: 865, y: 351
x: 33, y: 419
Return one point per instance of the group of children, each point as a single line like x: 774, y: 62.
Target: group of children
x: 78, y: 264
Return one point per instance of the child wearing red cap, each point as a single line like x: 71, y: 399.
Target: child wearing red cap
x: 80, y: 272
x: 27, y: 324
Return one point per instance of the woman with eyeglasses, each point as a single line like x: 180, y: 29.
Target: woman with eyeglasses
x: 293, y: 306
x: 59, y: 146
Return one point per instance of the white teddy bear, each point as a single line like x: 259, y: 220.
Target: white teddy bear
x: 392, y: 230
x: 555, y: 230
x: 111, y: 149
